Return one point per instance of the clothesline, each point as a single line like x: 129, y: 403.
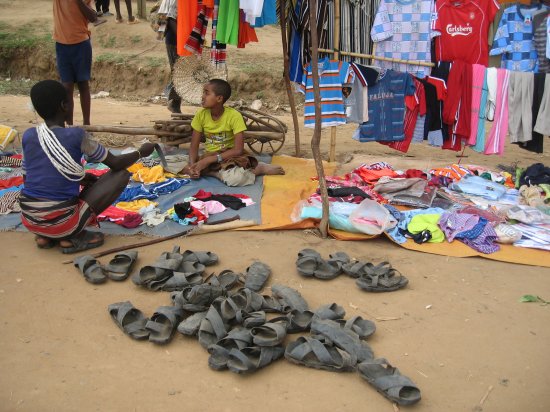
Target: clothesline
x: 373, y: 57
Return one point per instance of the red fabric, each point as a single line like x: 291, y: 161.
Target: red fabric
x: 464, y: 28
x: 201, y: 194
x: 372, y: 176
x: 196, y: 213
x: 121, y: 217
x: 97, y: 172
x: 440, y: 87
x: 247, y: 34
x: 415, y: 173
x: 457, y: 105
x: 239, y: 195
x: 12, y: 181
x: 188, y: 11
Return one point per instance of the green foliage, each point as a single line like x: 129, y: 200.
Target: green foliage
x: 14, y: 38
x: 110, y: 58
x: 533, y: 298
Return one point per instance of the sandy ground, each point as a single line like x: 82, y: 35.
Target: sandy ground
x: 458, y: 330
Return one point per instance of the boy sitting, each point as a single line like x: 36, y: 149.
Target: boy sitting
x: 223, y: 129
x: 51, y: 205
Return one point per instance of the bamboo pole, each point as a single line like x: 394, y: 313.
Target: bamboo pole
x: 316, y: 138
x: 380, y: 58
x: 132, y: 131
x: 332, y: 151
x: 286, y: 64
x: 142, y: 9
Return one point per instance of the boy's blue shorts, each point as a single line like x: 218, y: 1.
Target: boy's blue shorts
x: 74, y: 61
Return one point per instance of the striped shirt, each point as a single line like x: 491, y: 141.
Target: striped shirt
x: 540, y: 25
x: 332, y: 74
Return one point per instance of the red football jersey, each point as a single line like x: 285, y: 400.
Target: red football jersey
x: 464, y: 28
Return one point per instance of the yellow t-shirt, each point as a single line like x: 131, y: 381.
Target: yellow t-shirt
x: 219, y: 134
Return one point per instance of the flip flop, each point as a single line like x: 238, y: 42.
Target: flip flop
x: 330, y: 311
x: 362, y: 327
x: 345, y: 339
x: 269, y: 334
x: 212, y: 328
x: 91, y: 269
x: 237, y: 338
x: 290, y: 298
x: 313, y: 353
x: 190, y: 326
x: 120, y: 266
x: 82, y: 242
x: 129, y: 319
x: 205, y: 258
x: 256, y: 275
x: 163, y: 324
x: 381, y: 278
x: 251, y: 359
x: 389, y: 382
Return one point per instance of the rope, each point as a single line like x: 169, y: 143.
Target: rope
x: 58, y: 155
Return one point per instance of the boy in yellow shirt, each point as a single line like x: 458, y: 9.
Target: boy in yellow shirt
x: 224, y: 156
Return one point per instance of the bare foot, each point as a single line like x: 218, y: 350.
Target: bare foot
x: 266, y: 169
x: 94, y: 238
x: 44, y: 242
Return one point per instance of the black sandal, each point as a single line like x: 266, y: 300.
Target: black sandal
x: 83, y: 241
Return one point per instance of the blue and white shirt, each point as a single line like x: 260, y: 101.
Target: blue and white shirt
x: 332, y: 75
x: 514, y: 38
x: 402, y: 29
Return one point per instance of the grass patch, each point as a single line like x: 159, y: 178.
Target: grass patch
x: 154, y: 62
x: 107, y: 42
x: 135, y: 39
x: 15, y: 87
x: 110, y: 58
x: 13, y: 38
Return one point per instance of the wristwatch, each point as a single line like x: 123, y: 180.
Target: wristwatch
x: 219, y: 158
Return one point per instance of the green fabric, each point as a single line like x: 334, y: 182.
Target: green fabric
x: 428, y: 222
x: 227, y: 30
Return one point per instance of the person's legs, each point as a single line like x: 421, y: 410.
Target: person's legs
x: 85, y: 100
x: 131, y: 17
x: 106, y: 4
x: 98, y: 7
x: 174, y: 100
x: 69, y: 86
x: 267, y: 169
x: 106, y: 190
x: 117, y: 10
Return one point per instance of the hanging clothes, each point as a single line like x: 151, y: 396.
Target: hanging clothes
x: 387, y: 108
x: 268, y: 16
x: 497, y: 135
x: 218, y: 53
x: 536, y: 143
x: 464, y: 27
x: 403, y: 30
x: 514, y: 38
x: 188, y: 11
x: 541, y: 39
x: 542, y: 124
x: 457, y: 105
x: 358, y: 100
x: 228, y: 22
x: 196, y: 38
x: 480, y: 138
x: 252, y: 9
x: 520, y: 99
x: 332, y: 74
x: 478, y: 78
x: 247, y: 34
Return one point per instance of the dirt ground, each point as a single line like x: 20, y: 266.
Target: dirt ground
x: 457, y: 330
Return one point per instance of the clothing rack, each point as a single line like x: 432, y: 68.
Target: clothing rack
x: 373, y: 57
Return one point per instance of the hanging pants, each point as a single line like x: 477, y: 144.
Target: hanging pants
x: 542, y: 125
x: 497, y: 136
x: 520, y: 97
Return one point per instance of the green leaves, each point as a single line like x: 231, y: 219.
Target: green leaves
x: 533, y: 298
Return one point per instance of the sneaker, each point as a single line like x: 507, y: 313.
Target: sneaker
x: 99, y: 13
x: 108, y: 13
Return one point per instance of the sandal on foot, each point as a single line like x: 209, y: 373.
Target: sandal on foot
x: 91, y: 269
x: 120, y: 266
x: 381, y: 278
x: 313, y: 353
x: 269, y: 334
x: 129, y: 319
x: 330, y: 311
x: 205, y: 258
x: 237, y: 338
x: 256, y: 275
x: 163, y: 324
x: 83, y: 241
x: 190, y: 326
x: 290, y: 298
x: 389, y: 382
x: 212, y: 328
x: 345, y: 339
x: 363, y: 327
x: 252, y: 358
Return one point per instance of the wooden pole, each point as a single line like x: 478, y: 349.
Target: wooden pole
x: 332, y: 151
x: 286, y: 64
x: 316, y: 138
x: 380, y: 58
x: 142, y: 9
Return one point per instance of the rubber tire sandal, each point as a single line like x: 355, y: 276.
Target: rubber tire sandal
x: 237, y: 338
x: 253, y: 358
x: 363, y: 327
x: 163, y: 324
x: 91, y: 269
x: 82, y: 242
x: 120, y: 266
x: 256, y: 275
x: 389, y: 382
x: 315, y: 354
x: 269, y: 334
x: 381, y: 278
x: 290, y: 298
x: 205, y: 258
x: 129, y: 319
x: 190, y: 326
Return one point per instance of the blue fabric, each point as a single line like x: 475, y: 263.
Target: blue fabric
x: 74, y: 61
x: 11, y: 189
x: 514, y: 38
x: 478, y: 186
x: 473, y: 232
x: 167, y: 187
x: 296, y: 69
x: 480, y: 139
x: 42, y: 178
x: 387, y: 108
x: 405, y: 219
x: 131, y: 193
x: 269, y: 14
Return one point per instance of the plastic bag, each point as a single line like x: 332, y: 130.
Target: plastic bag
x: 372, y: 218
